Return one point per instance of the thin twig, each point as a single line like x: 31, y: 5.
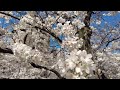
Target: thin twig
x: 112, y: 40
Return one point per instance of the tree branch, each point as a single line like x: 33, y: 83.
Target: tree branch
x: 44, y: 28
x: 87, y: 18
x: 46, y: 68
x: 52, y: 34
x: 112, y: 40
x: 24, y: 41
x: 9, y: 15
x: 6, y: 50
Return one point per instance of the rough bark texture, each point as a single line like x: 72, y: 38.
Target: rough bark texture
x: 85, y: 33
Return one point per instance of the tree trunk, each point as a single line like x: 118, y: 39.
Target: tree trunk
x: 87, y: 33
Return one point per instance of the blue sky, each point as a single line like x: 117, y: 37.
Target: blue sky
x: 54, y: 43
x: 110, y: 19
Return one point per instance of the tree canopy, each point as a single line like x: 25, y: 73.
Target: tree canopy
x: 68, y: 44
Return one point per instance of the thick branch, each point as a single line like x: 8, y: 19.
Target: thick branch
x: 46, y: 68
x: 45, y: 29
x: 25, y: 38
x: 52, y: 34
x: 9, y: 15
x: 6, y: 50
x: 87, y: 18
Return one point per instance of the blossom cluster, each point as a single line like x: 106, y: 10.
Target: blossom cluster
x: 78, y: 65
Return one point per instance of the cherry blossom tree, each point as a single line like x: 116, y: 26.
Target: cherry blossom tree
x: 88, y: 46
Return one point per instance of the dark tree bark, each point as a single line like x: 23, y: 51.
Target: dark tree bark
x: 6, y: 50
x: 87, y: 33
